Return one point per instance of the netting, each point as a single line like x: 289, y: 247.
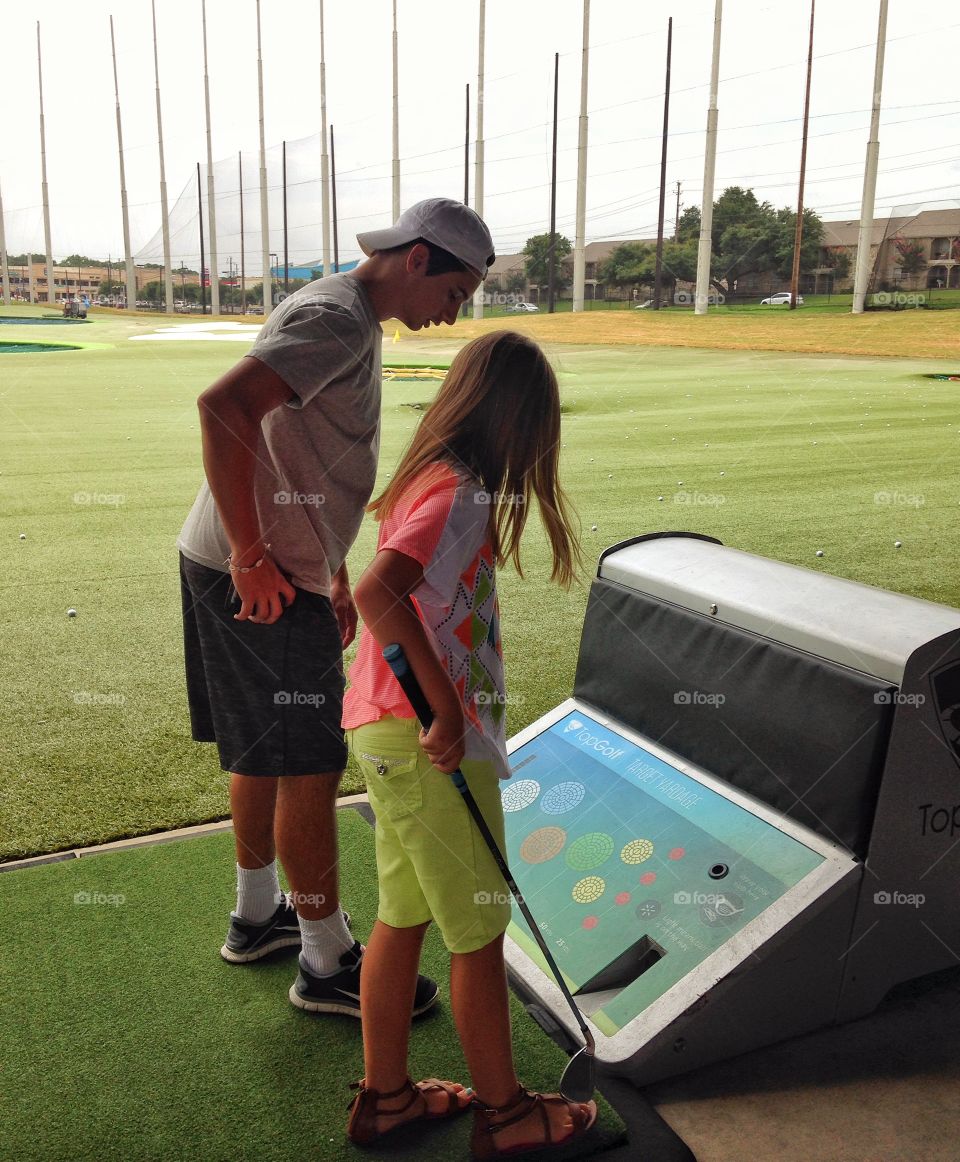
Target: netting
x: 304, y: 213
x: 917, y: 255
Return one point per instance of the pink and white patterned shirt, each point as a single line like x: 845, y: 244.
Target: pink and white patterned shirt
x: 442, y: 520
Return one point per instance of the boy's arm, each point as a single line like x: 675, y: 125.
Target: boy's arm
x: 230, y: 415
x: 381, y: 597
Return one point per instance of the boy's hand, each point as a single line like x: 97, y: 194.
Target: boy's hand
x: 341, y: 598
x: 444, y: 743
x: 264, y: 594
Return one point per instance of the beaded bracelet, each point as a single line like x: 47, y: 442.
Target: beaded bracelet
x: 246, y: 568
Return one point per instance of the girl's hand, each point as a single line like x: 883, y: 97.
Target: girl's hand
x: 444, y: 742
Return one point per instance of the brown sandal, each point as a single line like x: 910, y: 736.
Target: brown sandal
x: 483, y: 1143
x: 364, y: 1109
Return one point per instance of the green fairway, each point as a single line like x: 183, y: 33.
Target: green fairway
x: 778, y: 454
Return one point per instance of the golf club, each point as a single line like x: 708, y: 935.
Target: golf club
x: 577, y: 1082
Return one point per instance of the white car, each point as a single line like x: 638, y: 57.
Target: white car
x: 781, y: 299
x: 522, y: 308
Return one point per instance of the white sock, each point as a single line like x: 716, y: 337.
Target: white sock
x: 258, y: 893
x: 323, y: 942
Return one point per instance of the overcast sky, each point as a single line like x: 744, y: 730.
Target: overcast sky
x: 763, y: 57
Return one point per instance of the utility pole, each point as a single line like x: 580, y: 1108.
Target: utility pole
x: 676, y: 229
x: 552, y: 252
x: 705, y: 247
x: 663, y: 171
x: 798, y: 238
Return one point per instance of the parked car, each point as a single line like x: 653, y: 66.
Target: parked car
x: 523, y: 308
x: 780, y: 299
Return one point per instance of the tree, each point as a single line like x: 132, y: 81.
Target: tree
x: 838, y: 259
x: 516, y: 282
x: 751, y: 237
x: 536, y: 255
x: 635, y: 263
x: 910, y: 255
x: 81, y: 260
x: 626, y: 264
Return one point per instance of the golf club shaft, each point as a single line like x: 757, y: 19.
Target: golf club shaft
x: 397, y: 661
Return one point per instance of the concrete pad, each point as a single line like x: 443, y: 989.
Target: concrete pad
x: 882, y: 1089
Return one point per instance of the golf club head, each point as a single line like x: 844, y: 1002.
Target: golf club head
x: 578, y: 1081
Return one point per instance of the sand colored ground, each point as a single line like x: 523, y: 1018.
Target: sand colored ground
x: 910, y: 333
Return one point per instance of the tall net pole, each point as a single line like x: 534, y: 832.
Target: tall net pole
x: 478, y: 151
x: 45, y: 192
x: 324, y: 156
x: 130, y: 281
x: 705, y: 247
x: 164, y: 214
x: 264, y: 210
x: 4, y: 265
x: 861, y: 280
x: 211, y: 199
x: 396, y: 121
x: 580, y: 243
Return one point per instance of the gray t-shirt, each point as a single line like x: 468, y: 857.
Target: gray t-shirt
x: 317, y: 455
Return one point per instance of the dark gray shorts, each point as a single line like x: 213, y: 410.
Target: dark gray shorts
x: 269, y: 696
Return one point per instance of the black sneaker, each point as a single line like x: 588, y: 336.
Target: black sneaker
x: 340, y: 993
x: 246, y: 941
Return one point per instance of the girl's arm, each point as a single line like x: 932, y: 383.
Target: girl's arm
x: 381, y: 597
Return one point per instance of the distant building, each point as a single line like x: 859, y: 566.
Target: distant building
x: 937, y: 232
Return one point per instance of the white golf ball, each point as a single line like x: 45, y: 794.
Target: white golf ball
x: 71, y: 613
x: 593, y: 528
x: 819, y: 552
x: 23, y: 536
x: 897, y: 544
x: 659, y: 498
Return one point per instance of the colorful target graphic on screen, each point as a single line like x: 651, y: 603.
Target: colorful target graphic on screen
x: 589, y: 851
x: 588, y: 889
x: 562, y: 798
x: 637, y: 851
x: 543, y: 844
x: 516, y: 796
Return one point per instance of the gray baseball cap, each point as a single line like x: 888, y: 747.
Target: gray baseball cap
x: 448, y: 224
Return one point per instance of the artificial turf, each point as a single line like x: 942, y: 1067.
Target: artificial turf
x: 126, y: 1035
x: 779, y: 454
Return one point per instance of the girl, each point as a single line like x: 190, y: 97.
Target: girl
x: 456, y: 509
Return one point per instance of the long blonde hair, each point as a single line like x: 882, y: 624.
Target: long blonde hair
x: 497, y: 414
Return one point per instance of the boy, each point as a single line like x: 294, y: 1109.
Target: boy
x: 290, y: 439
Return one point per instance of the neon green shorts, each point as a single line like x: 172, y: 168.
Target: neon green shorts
x: 432, y: 862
